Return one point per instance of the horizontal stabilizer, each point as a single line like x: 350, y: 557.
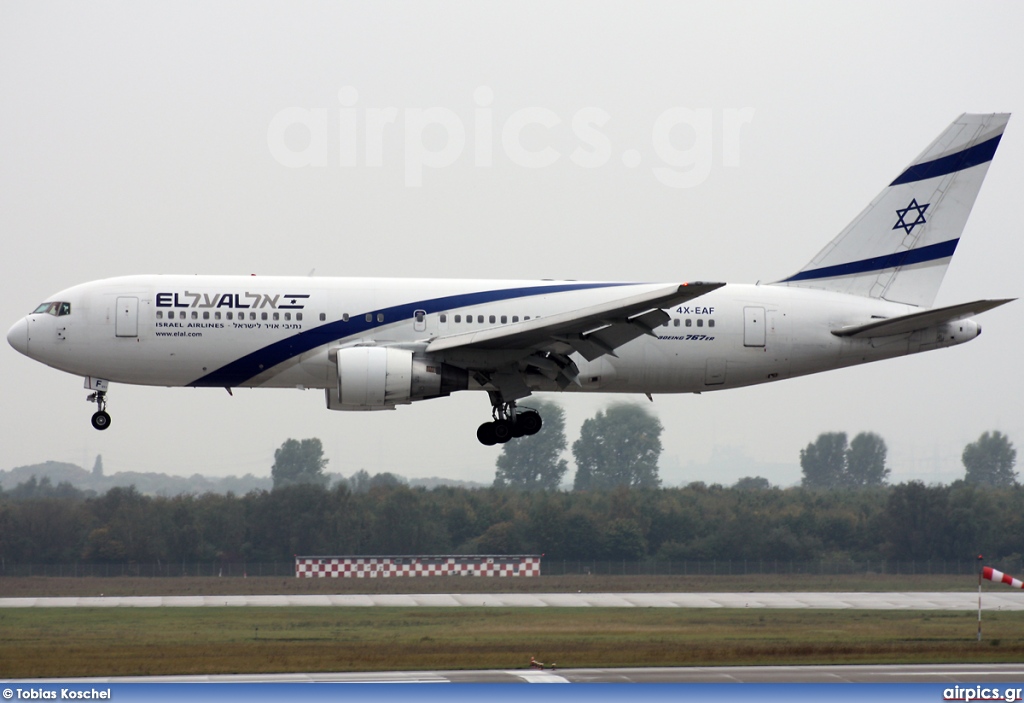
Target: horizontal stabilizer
x: 905, y: 324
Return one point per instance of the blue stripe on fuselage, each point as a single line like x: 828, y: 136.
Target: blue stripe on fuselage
x: 250, y: 365
x: 977, y: 154
x: 932, y: 252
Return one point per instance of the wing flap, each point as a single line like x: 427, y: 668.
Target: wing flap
x: 904, y: 324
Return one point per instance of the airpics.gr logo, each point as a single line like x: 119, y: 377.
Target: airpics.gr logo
x: 235, y: 301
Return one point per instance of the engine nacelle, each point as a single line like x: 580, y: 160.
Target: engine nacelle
x: 379, y: 378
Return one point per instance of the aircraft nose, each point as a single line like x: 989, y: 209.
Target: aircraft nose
x: 17, y: 336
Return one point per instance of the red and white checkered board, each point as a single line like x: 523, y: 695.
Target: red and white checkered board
x: 370, y: 567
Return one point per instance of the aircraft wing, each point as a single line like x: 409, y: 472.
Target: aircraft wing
x: 919, y: 320
x: 592, y: 331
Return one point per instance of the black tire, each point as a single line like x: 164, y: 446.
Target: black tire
x: 530, y: 422
x: 502, y: 430
x: 100, y: 420
x: 485, y: 434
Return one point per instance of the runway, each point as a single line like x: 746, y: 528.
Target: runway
x: 934, y: 600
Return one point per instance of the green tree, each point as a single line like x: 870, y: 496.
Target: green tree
x: 823, y: 462
x: 623, y: 539
x: 298, y: 462
x: 618, y: 447
x: 534, y: 463
x: 752, y: 483
x: 990, y: 461
x: 865, y: 461
x: 829, y: 463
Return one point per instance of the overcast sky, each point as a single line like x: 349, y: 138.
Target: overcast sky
x: 213, y: 138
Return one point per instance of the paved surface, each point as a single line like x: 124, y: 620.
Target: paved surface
x: 965, y: 600
x: 932, y: 673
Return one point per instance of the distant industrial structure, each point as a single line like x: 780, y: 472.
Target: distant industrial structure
x: 440, y: 565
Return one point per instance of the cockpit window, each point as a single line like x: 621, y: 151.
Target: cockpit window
x: 57, y: 309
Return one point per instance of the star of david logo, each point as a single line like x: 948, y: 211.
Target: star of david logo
x: 919, y: 216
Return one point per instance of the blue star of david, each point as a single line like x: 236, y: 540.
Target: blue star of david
x: 909, y: 226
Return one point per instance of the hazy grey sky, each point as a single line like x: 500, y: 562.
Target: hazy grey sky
x: 154, y: 138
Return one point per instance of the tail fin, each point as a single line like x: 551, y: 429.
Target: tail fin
x: 899, y: 247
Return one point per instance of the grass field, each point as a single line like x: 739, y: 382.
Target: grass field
x: 64, y: 642
x: 51, y: 642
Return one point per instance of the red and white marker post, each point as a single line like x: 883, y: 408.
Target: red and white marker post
x: 991, y: 574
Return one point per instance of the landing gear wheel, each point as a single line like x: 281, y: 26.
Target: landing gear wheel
x: 529, y: 422
x: 485, y: 433
x: 101, y: 420
x: 502, y: 430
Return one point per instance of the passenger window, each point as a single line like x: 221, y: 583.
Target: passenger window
x: 675, y: 322
x: 195, y: 315
x: 231, y: 315
x: 443, y: 318
x: 419, y: 316
x: 277, y: 316
x: 504, y: 319
x: 263, y: 316
x: 252, y: 316
x: 287, y: 316
x: 344, y: 317
x: 700, y: 322
x: 216, y: 315
x: 469, y: 319
x: 380, y: 317
x: 711, y: 323
x: 515, y: 318
x: 480, y: 319
x: 458, y: 318
x: 159, y: 314
x: 298, y: 316
x: 526, y: 318
x: 689, y: 322
x: 369, y: 317
x: 206, y: 314
x: 491, y: 319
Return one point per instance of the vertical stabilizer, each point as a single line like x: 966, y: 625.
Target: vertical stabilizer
x: 899, y: 247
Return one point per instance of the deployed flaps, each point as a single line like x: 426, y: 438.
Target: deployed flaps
x: 604, y: 340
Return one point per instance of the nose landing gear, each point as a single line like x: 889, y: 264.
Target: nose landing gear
x: 100, y: 418
x: 508, y: 422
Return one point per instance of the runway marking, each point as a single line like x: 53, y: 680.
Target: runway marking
x: 537, y: 676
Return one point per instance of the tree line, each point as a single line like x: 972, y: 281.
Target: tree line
x: 748, y: 521
x: 829, y: 462
x: 844, y: 509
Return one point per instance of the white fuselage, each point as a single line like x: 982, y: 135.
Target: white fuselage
x: 234, y: 331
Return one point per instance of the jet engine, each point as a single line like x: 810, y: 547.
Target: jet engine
x: 379, y: 378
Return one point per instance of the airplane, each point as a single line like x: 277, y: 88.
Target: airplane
x: 377, y: 343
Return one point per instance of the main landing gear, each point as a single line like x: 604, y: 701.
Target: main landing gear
x: 100, y: 418
x: 508, y: 422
